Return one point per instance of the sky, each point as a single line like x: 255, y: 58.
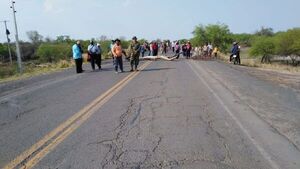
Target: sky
x: 149, y: 19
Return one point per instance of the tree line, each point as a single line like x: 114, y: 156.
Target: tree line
x: 263, y: 43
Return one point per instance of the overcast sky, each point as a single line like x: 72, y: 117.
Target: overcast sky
x: 150, y: 19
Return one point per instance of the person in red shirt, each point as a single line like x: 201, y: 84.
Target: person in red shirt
x: 154, y: 49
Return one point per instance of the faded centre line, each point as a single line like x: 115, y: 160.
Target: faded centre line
x: 30, y: 157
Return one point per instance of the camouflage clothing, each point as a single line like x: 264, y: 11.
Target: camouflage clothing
x: 134, y: 50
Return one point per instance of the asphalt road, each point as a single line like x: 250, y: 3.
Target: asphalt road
x: 181, y: 114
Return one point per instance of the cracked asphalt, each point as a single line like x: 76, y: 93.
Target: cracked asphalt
x: 172, y: 115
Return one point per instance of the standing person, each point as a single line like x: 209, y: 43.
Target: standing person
x: 92, y: 51
x: 184, y: 49
x: 99, y: 56
x: 215, y: 52
x: 117, y: 52
x: 77, y: 56
x: 164, y: 48
x: 144, y: 49
x: 188, y: 49
x: 150, y: 49
x: 177, y: 50
x: 210, y: 49
x: 110, y: 49
x: 238, y: 54
x: 173, y: 46
x: 235, y: 51
x: 134, y: 49
x: 154, y: 49
x: 205, y: 50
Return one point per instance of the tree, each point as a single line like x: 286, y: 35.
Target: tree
x: 217, y: 34
x: 48, y: 40
x: 200, y: 36
x: 289, y: 42
x: 34, y: 37
x: 103, y: 38
x: 63, y: 39
x: 265, y: 32
x: 264, y: 46
x: 243, y: 39
x: 3, y: 52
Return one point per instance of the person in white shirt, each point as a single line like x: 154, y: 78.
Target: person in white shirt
x: 92, y: 52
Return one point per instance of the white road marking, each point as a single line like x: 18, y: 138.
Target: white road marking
x: 263, y: 152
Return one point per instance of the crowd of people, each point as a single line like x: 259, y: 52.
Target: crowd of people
x: 147, y: 51
x: 206, y: 51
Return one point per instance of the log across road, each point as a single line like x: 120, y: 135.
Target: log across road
x: 179, y: 114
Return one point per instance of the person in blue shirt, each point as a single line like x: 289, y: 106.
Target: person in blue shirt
x: 235, y: 51
x: 77, y: 56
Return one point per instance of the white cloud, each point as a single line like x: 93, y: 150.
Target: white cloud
x: 55, y: 6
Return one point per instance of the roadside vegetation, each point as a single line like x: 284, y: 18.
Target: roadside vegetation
x: 44, y: 55
x: 263, y: 48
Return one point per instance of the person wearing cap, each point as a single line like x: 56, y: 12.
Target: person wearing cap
x: 235, y: 51
x: 134, y: 49
x: 118, y: 52
x: 77, y: 56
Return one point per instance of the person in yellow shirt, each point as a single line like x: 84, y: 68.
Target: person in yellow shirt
x: 118, y: 52
x: 215, y: 52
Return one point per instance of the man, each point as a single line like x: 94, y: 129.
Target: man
x: 173, y: 46
x: 99, y: 55
x: 92, y: 51
x: 154, y: 49
x: 110, y: 49
x: 117, y: 52
x: 144, y: 49
x: 134, y: 49
x: 77, y: 56
x: 209, y: 49
x: 177, y: 50
x: 235, y: 51
x: 188, y: 49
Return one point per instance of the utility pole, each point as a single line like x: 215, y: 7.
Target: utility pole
x: 17, y: 38
x: 8, y: 40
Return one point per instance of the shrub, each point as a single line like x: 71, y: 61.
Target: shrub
x: 289, y: 42
x: 54, y: 52
x: 265, y: 47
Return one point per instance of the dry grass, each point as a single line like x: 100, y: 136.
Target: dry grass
x: 255, y: 62
x: 9, y: 73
